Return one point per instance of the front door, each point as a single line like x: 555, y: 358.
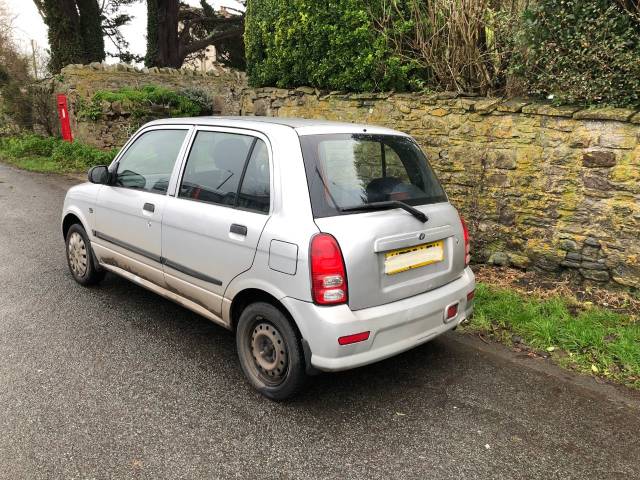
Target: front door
x: 211, y: 228
x: 129, y: 211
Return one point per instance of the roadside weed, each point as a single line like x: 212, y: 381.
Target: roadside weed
x: 582, y: 337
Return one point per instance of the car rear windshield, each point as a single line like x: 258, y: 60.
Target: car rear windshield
x: 350, y: 170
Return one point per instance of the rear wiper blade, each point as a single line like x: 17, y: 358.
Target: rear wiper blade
x: 388, y: 204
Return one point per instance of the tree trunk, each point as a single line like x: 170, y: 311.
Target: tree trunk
x: 75, y: 34
x: 165, y: 24
x: 65, y: 42
x: 91, y: 30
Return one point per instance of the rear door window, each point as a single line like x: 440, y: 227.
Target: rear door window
x: 255, y: 189
x: 227, y: 169
x: 348, y: 170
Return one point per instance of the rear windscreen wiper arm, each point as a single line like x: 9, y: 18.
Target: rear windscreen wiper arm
x: 388, y: 204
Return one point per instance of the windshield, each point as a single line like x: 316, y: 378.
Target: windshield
x: 350, y: 170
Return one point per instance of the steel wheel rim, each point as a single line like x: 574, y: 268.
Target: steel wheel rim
x: 77, y: 254
x: 269, y: 352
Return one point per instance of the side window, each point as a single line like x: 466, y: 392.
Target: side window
x: 255, y: 189
x: 215, y: 166
x: 148, y: 163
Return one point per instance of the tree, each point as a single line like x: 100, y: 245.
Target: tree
x: 112, y: 20
x: 14, y: 75
x: 175, y: 31
x: 75, y: 31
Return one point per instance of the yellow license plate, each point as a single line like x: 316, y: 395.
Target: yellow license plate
x: 414, y: 257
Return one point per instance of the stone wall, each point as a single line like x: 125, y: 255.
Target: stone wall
x: 117, y: 123
x: 557, y: 189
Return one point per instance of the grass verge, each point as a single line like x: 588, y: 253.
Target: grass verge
x: 581, y: 337
x: 51, y: 155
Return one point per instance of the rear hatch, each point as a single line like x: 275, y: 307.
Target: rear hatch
x: 390, y: 253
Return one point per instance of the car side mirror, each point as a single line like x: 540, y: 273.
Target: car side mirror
x: 99, y: 174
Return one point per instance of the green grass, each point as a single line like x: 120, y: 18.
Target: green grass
x: 51, y: 155
x: 588, y: 339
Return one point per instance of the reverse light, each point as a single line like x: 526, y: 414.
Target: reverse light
x: 467, y: 246
x: 355, y: 338
x: 328, y: 277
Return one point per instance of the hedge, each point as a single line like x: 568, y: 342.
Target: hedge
x: 582, y: 52
x: 326, y: 44
x: 585, y: 52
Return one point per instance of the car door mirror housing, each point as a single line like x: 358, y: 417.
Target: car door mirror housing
x: 99, y: 174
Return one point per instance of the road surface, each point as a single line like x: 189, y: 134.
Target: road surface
x: 115, y: 382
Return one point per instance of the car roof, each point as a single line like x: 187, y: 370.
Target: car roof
x: 302, y: 126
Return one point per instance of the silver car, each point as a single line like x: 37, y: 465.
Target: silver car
x: 324, y: 246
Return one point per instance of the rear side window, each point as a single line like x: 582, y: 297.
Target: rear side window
x: 148, y: 162
x: 348, y: 170
x: 227, y: 169
x: 255, y: 189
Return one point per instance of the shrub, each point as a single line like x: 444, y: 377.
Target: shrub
x: 459, y: 45
x: 78, y: 156
x: 183, y: 103
x: 28, y: 145
x: 64, y: 156
x: 581, y: 52
x: 329, y: 44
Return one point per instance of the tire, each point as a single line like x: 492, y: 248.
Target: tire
x: 277, y: 373
x: 80, y: 258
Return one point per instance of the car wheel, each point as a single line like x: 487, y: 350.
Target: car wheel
x: 80, y: 257
x: 270, y: 352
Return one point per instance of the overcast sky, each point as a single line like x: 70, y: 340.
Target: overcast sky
x: 29, y: 24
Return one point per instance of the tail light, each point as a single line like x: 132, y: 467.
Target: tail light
x: 467, y: 246
x: 328, y: 277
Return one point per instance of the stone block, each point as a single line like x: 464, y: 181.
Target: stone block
x: 502, y: 159
x: 617, y: 140
x: 595, y: 275
x: 568, y: 245
x: 306, y: 90
x: 592, y: 242
x: 598, y: 159
x: 550, y: 110
x: 607, y: 113
x: 512, y: 106
x: 499, y: 259
x: 597, y: 183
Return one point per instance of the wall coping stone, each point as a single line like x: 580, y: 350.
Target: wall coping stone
x: 124, y: 67
x: 466, y: 102
x: 616, y: 114
x: 550, y: 110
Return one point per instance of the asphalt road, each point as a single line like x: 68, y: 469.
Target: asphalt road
x: 115, y: 382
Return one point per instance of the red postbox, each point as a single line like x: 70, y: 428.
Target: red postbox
x: 63, y: 115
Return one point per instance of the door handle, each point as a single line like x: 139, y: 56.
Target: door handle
x: 238, y: 229
x: 149, y: 207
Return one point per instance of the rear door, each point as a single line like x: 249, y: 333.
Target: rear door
x: 389, y: 253
x: 211, y: 228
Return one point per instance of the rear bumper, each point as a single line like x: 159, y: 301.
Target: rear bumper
x: 395, y: 327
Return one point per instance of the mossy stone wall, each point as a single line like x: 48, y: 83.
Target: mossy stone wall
x: 551, y: 188
x: 117, y: 122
